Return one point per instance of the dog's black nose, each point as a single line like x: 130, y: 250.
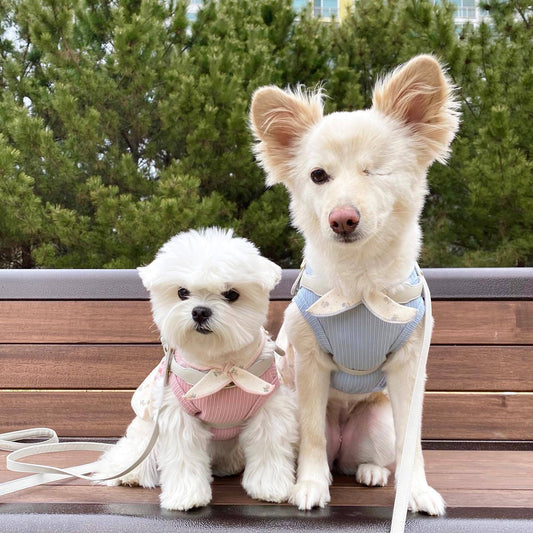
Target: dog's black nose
x: 344, y: 220
x: 200, y: 314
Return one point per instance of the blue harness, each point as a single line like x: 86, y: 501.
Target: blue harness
x: 358, y: 340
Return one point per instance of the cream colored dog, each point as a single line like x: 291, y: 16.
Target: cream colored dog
x: 357, y: 183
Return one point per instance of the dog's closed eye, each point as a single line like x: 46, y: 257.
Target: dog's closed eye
x: 373, y: 172
x: 231, y: 295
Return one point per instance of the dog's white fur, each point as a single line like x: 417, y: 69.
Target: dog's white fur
x: 376, y: 160
x: 208, y: 263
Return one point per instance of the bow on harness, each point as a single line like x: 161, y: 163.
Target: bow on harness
x: 217, y: 378
x: 203, y: 382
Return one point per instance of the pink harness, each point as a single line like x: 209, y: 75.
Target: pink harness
x: 226, y: 410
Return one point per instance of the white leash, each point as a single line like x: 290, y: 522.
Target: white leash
x: 47, y: 474
x: 414, y: 420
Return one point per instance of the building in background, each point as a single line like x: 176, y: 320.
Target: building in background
x: 326, y: 8
x: 466, y: 10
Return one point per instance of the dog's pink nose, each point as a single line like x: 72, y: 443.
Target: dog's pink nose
x: 344, y: 220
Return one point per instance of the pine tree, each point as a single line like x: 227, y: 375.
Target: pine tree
x: 480, y: 212
x: 86, y: 79
x: 122, y: 123
x: 21, y: 213
x: 377, y: 37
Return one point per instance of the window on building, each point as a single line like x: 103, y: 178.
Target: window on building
x: 326, y: 8
x: 465, y: 9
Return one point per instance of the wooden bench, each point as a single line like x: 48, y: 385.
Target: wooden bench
x: 74, y: 344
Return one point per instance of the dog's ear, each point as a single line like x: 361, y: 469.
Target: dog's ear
x: 278, y: 120
x: 266, y: 272
x: 420, y: 96
x: 147, y: 275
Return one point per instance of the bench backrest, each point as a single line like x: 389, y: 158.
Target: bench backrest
x: 74, y: 344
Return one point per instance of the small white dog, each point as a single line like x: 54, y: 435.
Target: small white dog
x: 223, y: 410
x: 357, y: 183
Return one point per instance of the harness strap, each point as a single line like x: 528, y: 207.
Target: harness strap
x: 414, y: 420
x: 401, y: 294
x: 297, y: 282
x: 209, y: 381
x: 47, y: 474
x: 191, y: 376
x: 352, y: 372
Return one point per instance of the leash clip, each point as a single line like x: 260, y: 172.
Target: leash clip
x: 169, y: 352
x: 296, y: 285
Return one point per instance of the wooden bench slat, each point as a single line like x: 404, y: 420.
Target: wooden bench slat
x: 480, y: 368
x: 113, y: 321
x: 124, y: 366
x: 463, y: 322
x: 69, y: 413
x: 498, y: 479
x: 227, y: 495
x: 457, y: 322
x: 488, y: 322
x: 483, y: 416
x: 464, y: 416
x: 77, y: 366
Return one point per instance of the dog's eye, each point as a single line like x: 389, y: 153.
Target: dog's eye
x: 366, y: 172
x: 319, y: 176
x: 231, y: 295
x: 183, y: 294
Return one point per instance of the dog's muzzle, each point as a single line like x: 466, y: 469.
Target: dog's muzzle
x: 201, y: 315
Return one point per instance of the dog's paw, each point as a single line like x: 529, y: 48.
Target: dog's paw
x: 427, y: 500
x: 128, y: 480
x: 108, y: 483
x: 269, y: 486
x: 103, y: 470
x: 138, y: 477
x: 183, y: 499
x: 308, y: 494
x: 132, y: 480
x: 372, y: 475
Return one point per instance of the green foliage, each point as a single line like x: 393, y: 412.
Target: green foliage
x: 480, y: 212
x: 21, y: 213
x: 123, y: 123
